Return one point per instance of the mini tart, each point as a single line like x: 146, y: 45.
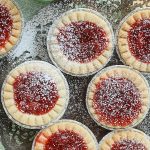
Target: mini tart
x: 10, y: 25
x: 118, y: 97
x: 65, y: 134
x: 133, y: 40
x: 34, y: 94
x: 80, y: 42
x: 130, y: 139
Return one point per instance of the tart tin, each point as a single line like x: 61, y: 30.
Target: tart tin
x: 117, y: 32
x: 21, y: 33
x: 88, y: 90
x: 71, y: 121
x: 42, y: 126
x: 111, y: 133
x: 55, y: 24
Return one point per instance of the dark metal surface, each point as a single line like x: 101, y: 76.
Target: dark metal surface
x: 33, y: 47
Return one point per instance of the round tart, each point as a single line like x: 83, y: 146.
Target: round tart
x: 34, y: 94
x: 130, y: 139
x: 118, y: 97
x: 65, y: 135
x: 10, y: 26
x: 80, y: 42
x: 134, y: 40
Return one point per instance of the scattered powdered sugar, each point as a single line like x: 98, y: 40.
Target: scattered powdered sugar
x: 128, y: 145
x: 35, y: 93
x: 6, y: 24
x: 82, y: 41
x: 139, y: 40
x: 117, y: 101
x: 33, y: 47
x: 65, y: 140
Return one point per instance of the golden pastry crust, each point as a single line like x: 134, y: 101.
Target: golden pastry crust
x: 30, y: 120
x: 68, y: 125
x: 16, y: 27
x: 128, y: 134
x: 122, y: 41
x: 73, y: 67
x: 123, y: 72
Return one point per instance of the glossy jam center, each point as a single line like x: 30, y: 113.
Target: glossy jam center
x: 139, y: 40
x: 6, y: 24
x: 117, y: 101
x: 128, y: 145
x: 35, y: 93
x: 65, y: 140
x: 82, y: 41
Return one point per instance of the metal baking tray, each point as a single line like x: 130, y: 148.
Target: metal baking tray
x: 33, y: 47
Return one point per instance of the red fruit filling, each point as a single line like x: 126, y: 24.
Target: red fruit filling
x: 82, y: 41
x: 117, y: 101
x: 6, y: 24
x: 35, y: 93
x: 139, y: 40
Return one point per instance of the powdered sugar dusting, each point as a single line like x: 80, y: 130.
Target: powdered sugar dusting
x: 128, y: 145
x: 35, y: 93
x: 65, y: 140
x: 6, y: 23
x: 139, y: 40
x: 116, y: 101
x: 82, y: 41
x: 33, y: 47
